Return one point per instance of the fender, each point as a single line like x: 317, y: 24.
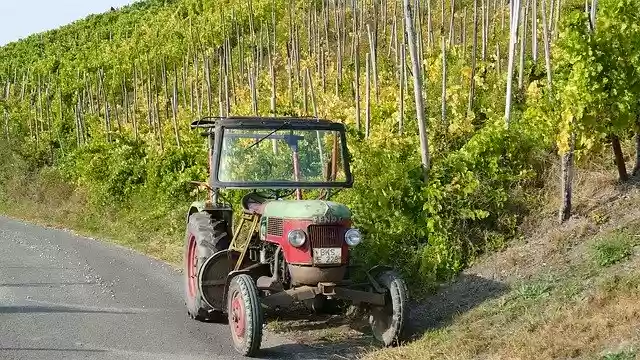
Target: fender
x: 375, y: 271
x: 219, y: 213
x: 213, y: 279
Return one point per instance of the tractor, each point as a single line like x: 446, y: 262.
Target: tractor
x: 290, y: 243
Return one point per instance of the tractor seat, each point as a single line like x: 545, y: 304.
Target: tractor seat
x: 253, y: 203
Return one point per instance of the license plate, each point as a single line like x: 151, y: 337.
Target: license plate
x: 327, y: 255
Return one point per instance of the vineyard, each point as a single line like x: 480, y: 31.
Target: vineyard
x: 455, y: 109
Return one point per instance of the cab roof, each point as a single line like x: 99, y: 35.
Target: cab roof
x: 265, y: 122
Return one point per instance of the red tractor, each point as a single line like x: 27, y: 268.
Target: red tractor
x: 283, y: 248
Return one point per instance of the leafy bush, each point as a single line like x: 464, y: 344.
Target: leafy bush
x: 434, y: 230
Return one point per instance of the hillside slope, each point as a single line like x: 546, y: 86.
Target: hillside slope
x: 568, y: 292
x: 99, y: 109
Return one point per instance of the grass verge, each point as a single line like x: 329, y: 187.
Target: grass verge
x: 589, y: 310
x: 48, y: 199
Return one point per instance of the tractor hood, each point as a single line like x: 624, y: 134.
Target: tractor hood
x: 316, y: 210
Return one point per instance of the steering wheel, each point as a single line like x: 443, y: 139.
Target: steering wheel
x: 275, y: 193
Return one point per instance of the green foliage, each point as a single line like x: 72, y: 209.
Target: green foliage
x: 620, y: 355
x: 482, y: 176
x: 597, y: 88
x: 439, y: 227
x: 533, y: 291
x: 612, y: 250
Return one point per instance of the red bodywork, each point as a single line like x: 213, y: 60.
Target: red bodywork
x: 318, y: 235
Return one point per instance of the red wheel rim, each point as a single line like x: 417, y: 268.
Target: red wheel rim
x: 192, y: 263
x: 237, y: 315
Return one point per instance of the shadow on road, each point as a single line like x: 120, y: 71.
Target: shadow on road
x: 57, y: 309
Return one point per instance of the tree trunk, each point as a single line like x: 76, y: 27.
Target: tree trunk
x: 567, y: 182
x: 417, y: 90
x: 619, y: 158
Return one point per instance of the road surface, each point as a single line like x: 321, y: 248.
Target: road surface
x: 67, y: 297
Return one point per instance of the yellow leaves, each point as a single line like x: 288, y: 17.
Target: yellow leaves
x: 564, y: 131
x: 460, y: 125
x: 465, y: 72
x: 534, y: 91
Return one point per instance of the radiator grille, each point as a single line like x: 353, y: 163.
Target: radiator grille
x: 275, y: 226
x: 326, y: 235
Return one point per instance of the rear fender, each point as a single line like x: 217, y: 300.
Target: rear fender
x: 218, y: 213
x: 373, y: 272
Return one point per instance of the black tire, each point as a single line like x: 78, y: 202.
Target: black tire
x: 205, y: 236
x: 245, y: 312
x: 387, y: 322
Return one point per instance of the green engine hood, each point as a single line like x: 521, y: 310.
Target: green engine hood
x: 317, y: 210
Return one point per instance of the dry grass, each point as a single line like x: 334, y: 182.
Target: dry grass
x: 573, y: 316
x: 562, y: 302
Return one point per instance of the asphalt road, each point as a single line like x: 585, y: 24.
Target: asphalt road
x: 67, y: 297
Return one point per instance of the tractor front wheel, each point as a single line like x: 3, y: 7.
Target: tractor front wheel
x: 245, y: 315
x: 387, y: 322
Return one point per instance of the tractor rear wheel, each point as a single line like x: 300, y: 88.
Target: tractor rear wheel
x: 205, y: 237
x: 245, y: 315
x: 387, y: 322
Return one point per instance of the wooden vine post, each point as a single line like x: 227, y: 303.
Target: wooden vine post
x: 417, y: 91
x: 513, y: 40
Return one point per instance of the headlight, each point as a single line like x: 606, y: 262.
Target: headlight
x: 353, y: 237
x: 297, y: 237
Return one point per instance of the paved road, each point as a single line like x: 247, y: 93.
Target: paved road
x: 67, y: 297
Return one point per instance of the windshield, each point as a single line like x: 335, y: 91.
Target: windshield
x: 281, y: 155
